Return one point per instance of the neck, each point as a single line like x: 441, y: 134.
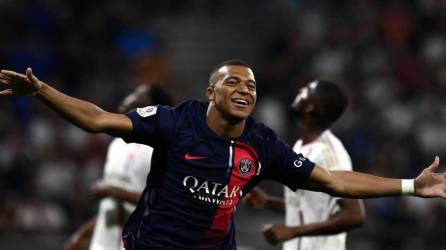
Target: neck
x: 308, y: 132
x: 221, y: 125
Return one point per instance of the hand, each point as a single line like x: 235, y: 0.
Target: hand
x: 256, y: 198
x: 277, y: 233
x: 430, y: 184
x: 19, y: 84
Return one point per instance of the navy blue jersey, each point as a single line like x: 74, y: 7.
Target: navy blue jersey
x: 198, y: 178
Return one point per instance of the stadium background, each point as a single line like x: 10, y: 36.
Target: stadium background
x: 389, y: 55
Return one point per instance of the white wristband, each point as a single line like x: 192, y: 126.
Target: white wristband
x: 407, y: 187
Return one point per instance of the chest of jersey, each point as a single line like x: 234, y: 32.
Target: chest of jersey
x: 213, y: 172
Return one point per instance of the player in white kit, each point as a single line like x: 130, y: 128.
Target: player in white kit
x: 321, y: 218
x: 124, y: 178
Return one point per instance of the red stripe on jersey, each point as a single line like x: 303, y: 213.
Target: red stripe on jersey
x: 244, y: 168
x: 126, y: 244
x: 299, y: 240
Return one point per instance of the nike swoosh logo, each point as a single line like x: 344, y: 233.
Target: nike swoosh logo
x: 188, y: 157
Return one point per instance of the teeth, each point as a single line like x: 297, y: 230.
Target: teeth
x: 240, y: 101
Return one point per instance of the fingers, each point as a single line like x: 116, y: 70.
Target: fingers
x: 8, y: 72
x: 31, y: 77
x: 4, y: 77
x: 10, y: 75
x: 6, y: 92
x: 266, y: 227
x: 5, y: 81
x: 269, y: 234
x: 435, y: 164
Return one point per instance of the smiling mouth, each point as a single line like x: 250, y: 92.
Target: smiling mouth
x: 240, y: 103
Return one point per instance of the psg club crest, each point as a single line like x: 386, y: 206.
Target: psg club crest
x: 245, y: 166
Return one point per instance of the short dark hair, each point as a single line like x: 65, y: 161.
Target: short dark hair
x: 330, y: 101
x: 231, y: 62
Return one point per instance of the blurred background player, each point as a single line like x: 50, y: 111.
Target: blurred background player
x: 317, y: 106
x: 124, y: 179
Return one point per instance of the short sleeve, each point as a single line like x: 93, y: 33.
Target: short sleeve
x: 152, y: 125
x: 288, y: 167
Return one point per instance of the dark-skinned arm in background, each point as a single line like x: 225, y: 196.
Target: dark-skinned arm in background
x: 350, y: 216
x: 79, y: 240
x: 101, y: 190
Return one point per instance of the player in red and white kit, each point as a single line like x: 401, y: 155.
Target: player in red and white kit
x: 315, y: 220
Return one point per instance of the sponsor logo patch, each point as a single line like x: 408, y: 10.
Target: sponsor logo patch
x: 213, y: 192
x: 146, y: 111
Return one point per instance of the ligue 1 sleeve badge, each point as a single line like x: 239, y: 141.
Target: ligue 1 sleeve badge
x: 245, y: 166
x: 146, y: 111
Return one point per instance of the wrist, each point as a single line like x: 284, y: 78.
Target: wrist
x: 408, y: 187
x: 297, y: 231
x: 39, y: 89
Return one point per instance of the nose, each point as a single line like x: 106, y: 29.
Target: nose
x: 243, y: 89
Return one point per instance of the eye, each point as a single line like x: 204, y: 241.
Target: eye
x: 252, y: 87
x: 231, y: 82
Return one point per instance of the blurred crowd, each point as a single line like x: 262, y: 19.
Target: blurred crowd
x: 390, y: 56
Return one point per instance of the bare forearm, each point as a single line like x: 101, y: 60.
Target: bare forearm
x: 350, y: 216
x: 351, y: 184
x: 78, y: 112
x: 84, y: 114
x: 85, y: 231
x: 275, y: 204
x: 81, y: 113
x: 123, y: 195
x: 320, y: 229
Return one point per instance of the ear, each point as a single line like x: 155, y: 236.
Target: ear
x: 210, y: 93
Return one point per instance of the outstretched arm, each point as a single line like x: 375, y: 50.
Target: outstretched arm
x: 81, y: 113
x: 79, y: 240
x: 350, y: 184
x: 350, y: 216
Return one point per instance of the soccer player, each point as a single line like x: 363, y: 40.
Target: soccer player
x: 317, y: 106
x: 125, y: 172
x: 206, y: 156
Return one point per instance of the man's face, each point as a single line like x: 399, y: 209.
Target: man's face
x: 303, y: 97
x: 234, y: 92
